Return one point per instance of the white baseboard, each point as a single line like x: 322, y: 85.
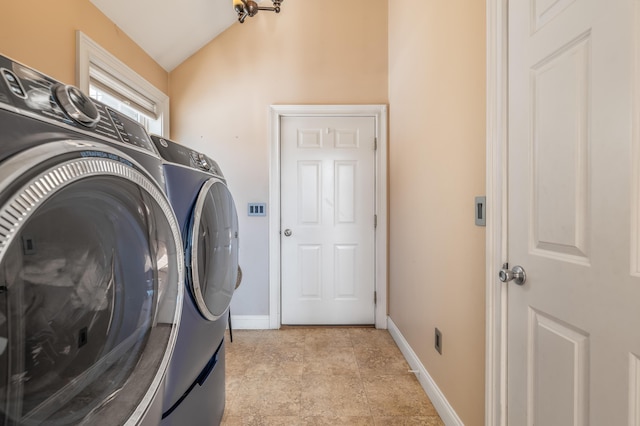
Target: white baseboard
x: 250, y: 322
x: 445, y: 410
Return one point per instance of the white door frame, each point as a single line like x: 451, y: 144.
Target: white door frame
x: 379, y: 113
x: 496, y: 232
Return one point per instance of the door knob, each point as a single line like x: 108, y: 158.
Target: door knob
x: 517, y: 274
x: 287, y: 232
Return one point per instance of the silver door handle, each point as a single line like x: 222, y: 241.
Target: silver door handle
x: 287, y: 232
x: 517, y: 274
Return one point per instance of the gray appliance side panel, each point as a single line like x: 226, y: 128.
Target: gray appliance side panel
x: 204, y: 406
x: 183, y: 186
x: 197, y: 341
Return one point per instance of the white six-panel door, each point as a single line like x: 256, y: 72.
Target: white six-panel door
x: 574, y: 326
x: 327, y: 220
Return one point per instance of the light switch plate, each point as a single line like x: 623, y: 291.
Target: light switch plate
x: 257, y: 209
x: 481, y: 211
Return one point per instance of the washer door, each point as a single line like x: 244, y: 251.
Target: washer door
x: 213, y: 249
x: 90, y: 287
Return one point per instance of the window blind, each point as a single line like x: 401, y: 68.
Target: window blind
x: 120, y: 90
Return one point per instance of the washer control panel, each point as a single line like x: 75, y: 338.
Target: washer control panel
x: 180, y: 154
x: 33, y: 93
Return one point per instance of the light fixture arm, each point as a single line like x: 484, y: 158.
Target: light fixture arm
x: 249, y: 8
x: 242, y: 16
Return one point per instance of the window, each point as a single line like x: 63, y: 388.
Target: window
x: 152, y: 124
x: 108, y: 80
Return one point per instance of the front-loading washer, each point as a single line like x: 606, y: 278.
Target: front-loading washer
x: 204, y: 207
x: 91, y: 260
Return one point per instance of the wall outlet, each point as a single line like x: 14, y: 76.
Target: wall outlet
x: 438, y: 341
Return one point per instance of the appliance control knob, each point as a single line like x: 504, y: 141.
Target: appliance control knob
x: 203, y: 163
x: 77, y: 105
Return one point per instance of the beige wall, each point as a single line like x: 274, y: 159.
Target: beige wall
x: 41, y: 34
x: 313, y: 52
x: 437, y: 166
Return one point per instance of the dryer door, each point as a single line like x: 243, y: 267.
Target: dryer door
x: 213, y: 249
x: 90, y: 287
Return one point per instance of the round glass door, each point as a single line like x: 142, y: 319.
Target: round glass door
x: 214, y: 249
x: 89, y: 296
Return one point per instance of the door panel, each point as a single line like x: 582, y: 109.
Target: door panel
x: 571, y: 326
x: 310, y: 273
x: 328, y: 204
x: 345, y: 182
x: 547, y: 10
x: 558, y: 373
x: 560, y: 96
x: 309, y: 181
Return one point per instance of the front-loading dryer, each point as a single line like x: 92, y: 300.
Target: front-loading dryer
x: 204, y: 207
x: 91, y: 261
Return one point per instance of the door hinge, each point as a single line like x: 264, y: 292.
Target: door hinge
x: 375, y: 221
x: 375, y: 297
x: 375, y: 144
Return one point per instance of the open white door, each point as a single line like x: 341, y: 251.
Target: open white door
x: 573, y: 327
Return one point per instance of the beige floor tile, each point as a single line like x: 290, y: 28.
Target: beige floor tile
x: 408, y: 421
x: 380, y: 360
x: 328, y: 338
x: 286, y: 336
x: 247, y: 337
x: 296, y: 421
x: 330, y: 361
x: 339, y: 421
x: 282, y: 360
x: 231, y: 420
x: 339, y: 396
x: 237, y: 362
x: 272, y: 421
x: 232, y: 386
x: 240, y: 348
x: 266, y: 396
x: 397, y: 396
x: 371, y: 337
x: 313, y: 376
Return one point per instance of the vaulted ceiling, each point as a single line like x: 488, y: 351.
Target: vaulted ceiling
x: 168, y: 30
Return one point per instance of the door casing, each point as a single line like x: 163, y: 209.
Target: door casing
x: 496, y: 232
x: 379, y: 113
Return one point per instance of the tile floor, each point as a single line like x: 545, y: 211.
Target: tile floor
x: 321, y: 376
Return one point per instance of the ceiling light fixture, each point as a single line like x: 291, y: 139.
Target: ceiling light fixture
x: 249, y: 8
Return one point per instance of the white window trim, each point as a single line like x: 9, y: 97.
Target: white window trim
x: 88, y: 52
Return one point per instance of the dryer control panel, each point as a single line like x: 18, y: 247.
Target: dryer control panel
x: 180, y: 154
x: 35, y: 94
